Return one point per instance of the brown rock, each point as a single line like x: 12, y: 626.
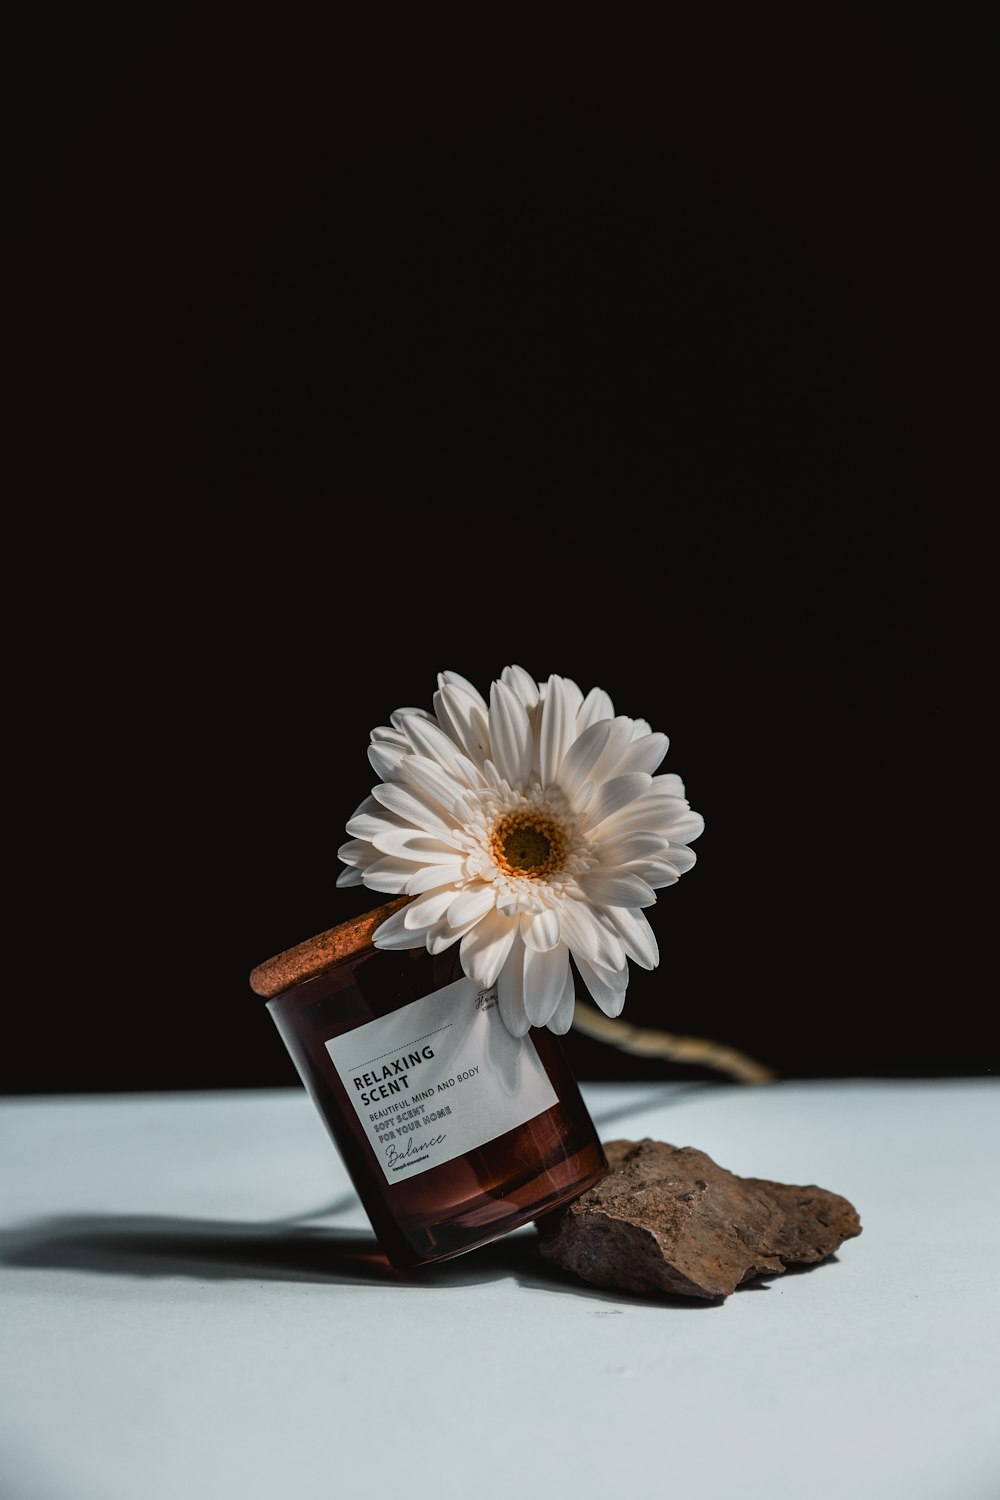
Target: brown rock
x: 669, y: 1220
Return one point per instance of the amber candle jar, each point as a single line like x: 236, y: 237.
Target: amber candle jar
x: 453, y: 1131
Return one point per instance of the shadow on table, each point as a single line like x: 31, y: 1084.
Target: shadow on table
x: 121, y: 1245
x: 294, y: 1251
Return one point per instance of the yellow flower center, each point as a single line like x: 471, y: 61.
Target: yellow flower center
x: 527, y: 843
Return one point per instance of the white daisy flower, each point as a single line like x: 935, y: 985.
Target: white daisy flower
x: 530, y: 829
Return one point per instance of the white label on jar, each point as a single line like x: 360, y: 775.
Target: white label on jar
x: 438, y: 1078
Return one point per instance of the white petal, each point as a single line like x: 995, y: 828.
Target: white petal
x: 508, y: 902
x: 464, y: 718
x: 427, y: 909
x: 686, y: 828
x: 607, y: 988
x: 541, y: 931
x: 428, y: 739
x: 444, y: 934
x: 557, y: 728
x: 591, y: 935
x: 510, y: 991
x: 432, y: 779
x: 393, y: 738
x: 510, y: 735
x: 413, y: 844
x: 412, y: 806
x: 492, y: 777
x: 642, y: 727
x: 655, y: 872
x: 398, y: 720
x: 667, y: 784
x: 369, y: 805
x: 393, y: 933
x: 455, y: 679
x: 389, y: 875
x: 561, y: 1018
x: 349, y: 876
x: 619, y: 739
x: 615, y: 794
x: 645, y: 815
x: 575, y: 695
x: 385, y: 761
x: 367, y: 824
x: 486, y: 946
x: 583, y: 795
x: 597, y: 705
x: 582, y: 755
x: 357, y: 852
x: 615, y: 978
x: 645, y: 753
x: 432, y: 877
x: 471, y: 904
x: 616, y: 888
x: 520, y: 901
x: 544, y: 981
x: 681, y: 857
x: 637, y: 936
x: 621, y: 851
x: 523, y: 684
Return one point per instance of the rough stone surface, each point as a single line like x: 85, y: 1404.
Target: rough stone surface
x: 667, y: 1220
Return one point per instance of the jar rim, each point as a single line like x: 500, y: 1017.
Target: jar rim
x: 318, y: 954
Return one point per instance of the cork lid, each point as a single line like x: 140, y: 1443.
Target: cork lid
x: 317, y: 954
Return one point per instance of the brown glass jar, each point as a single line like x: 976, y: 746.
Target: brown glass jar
x: 453, y: 1131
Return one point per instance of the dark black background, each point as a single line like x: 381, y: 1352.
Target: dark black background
x: 350, y: 349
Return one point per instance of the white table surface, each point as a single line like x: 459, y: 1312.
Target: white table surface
x: 189, y: 1308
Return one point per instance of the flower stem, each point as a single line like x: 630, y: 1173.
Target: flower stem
x: 641, y: 1042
